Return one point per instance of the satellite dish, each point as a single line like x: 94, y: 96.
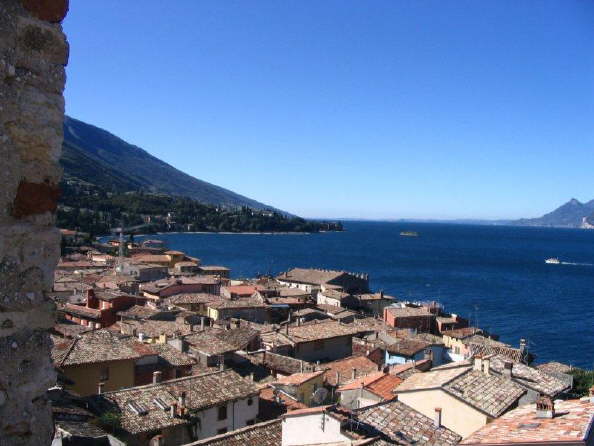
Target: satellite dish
x: 319, y: 396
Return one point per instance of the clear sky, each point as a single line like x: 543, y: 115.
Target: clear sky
x: 343, y: 108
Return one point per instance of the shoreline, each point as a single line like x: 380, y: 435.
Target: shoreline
x: 220, y: 233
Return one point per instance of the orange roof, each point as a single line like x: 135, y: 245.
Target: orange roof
x: 361, y: 364
x: 362, y: 382
x: 380, y: 383
x: 242, y: 289
x: 384, y: 386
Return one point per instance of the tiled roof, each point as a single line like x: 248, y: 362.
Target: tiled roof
x: 98, y: 346
x: 172, y: 356
x: 407, y: 347
x: 216, y: 342
x: 71, y: 330
x: 193, y: 298
x: 374, y: 296
x: 331, y: 309
x: 405, y: 370
x: 154, y: 328
x: 363, y: 366
x: 280, y: 363
x: 531, y: 378
x: 555, y: 367
x: 236, y: 303
x: 138, y: 312
x: 82, y: 429
x: 384, y: 386
x: 487, y: 349
x: 268, y: 433
x: 298, y: 378
x: 491, y: 394
x: 461, y: 333
x: 80, y: 310
x: 432, y: 379
x: 570, y: 425
x: 322, y: 330
x: 201, y: 391
x: 244, y: 290
x: 309, y: 276
x: 409, y: 311
x: 403, y: 425
x: 364, y: 381
x: 239, y: 338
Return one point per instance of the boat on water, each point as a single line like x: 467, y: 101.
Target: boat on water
x: 409, y: 234
x: 553, y: 260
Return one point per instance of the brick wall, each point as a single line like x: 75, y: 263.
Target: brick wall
x: 33, y: 53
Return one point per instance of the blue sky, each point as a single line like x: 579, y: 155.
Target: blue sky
x: 343, y: 108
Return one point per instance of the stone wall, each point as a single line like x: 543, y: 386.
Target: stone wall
x: 33, y: 53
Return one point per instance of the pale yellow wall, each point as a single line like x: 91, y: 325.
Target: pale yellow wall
x: 213, y: 313
x: 86, y: 376
x: 305, y: 391
x: 455, y: 415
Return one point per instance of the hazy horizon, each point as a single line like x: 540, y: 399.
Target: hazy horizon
x: 416, y: 110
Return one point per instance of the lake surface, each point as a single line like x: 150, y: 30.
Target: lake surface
x: 493, y: 275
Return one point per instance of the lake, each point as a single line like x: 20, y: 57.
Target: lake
x: 494, y: 275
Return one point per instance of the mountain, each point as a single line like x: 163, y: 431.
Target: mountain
x: 93, y: 155
x: 570, y: 215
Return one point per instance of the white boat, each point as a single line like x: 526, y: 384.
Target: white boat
x: 553, y: 260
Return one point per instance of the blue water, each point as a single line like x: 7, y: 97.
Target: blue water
x: 494, y: 275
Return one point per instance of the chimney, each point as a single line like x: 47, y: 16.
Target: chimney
x: 156, y: 377
x: 478, y: 363
x: 252, y: 377
x: 202, y: 323
x: 141, y: 337
x: 221, y: 363
x: 487, y: 365
x: 100, y: 388
x: 507, y: 369
x: 522, y: 346
x: 437, y: 418
x: 172, y: 410
x: 545, y: 407
x: 181, y: 400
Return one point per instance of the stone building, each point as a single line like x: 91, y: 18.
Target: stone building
x: 33, y: 53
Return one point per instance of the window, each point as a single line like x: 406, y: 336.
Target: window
x: 250, y: 422
x: 222, y: 415
x: 250, y: 401
x: 104, y: 374
x: 221, y: 431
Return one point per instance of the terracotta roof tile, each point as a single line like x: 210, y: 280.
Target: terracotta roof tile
x: 199, y: 394
x: 268, y: 433
x: 403, y: 425
x: 571, y: 424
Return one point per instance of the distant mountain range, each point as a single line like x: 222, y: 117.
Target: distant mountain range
x: 93, y: 155
x: 573, y: 214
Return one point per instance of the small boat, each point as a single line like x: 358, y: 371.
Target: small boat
x: 409, y: 234
x: 553, y: 260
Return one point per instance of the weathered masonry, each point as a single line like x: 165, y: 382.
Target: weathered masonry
x: 33, y: 53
